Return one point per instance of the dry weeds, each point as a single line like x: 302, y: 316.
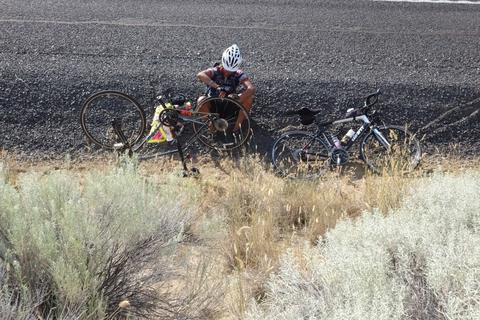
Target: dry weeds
x: 248, y: 217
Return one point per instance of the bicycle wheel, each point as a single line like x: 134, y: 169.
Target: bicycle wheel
x: 102, y: 109
x: 399, y: 153
x: 300, y: 154
x: 224, y: 124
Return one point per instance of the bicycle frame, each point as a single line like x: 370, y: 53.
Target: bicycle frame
x: 359, y: 133
x: 184, y: 146
x: 302, y: 146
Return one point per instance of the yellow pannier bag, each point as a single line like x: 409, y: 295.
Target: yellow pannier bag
x: 158, y: 132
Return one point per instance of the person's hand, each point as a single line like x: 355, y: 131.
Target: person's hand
x: 222, y: 93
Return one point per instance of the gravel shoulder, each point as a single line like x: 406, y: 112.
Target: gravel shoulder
x: 325, y: 54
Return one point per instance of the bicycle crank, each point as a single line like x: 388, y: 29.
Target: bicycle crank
x: 339, y: 157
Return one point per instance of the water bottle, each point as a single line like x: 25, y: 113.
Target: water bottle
x: 348, y: 136
x: 336, y: 142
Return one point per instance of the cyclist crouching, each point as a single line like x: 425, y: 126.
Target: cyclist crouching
x: 225, y: 79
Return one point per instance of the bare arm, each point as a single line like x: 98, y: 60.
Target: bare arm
x: 249, y: 89
x: 202, y: 76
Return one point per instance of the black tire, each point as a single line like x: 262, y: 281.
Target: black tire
x: 229, y: 110
x: 300, y: 154
x: 100, y: 109
x: 403, y: 156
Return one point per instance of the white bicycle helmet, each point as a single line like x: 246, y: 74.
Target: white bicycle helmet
x: 231, y: 58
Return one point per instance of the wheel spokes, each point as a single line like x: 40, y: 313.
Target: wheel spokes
x: 224, y: 128
x: 103, y: 109
x: 300, y: 156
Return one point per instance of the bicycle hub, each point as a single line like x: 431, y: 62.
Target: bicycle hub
x: 220, y: 124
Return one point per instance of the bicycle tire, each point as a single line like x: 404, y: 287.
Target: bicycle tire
x: 404, y: 154
x: 229, y: 110
x: 300, y: 154
x: 93, y: 117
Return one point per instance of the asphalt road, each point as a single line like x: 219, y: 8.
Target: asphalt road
x: 322, y: 54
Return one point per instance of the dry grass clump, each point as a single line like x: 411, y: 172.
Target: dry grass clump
x: 420, y: 262
x: 386, y: 192
x: 260, y: 215
x: 260, y: 209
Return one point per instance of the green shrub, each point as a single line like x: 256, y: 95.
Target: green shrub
x: 80, y: 245
x: 421, y: 261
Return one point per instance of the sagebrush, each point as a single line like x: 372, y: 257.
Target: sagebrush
x: 76, y: 246
x: 419, y: 262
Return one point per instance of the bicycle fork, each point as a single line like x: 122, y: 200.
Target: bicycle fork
x: 117, y: 128
x: 381, y: 138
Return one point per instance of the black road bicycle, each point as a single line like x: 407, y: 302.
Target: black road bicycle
x: 384, y: 148
x: 113, y: 120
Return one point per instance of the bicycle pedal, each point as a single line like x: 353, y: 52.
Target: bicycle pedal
x: 118, y: 145
x: 228, y: 144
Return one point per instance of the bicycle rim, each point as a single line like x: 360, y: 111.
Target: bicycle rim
x: 300, y: 155
x: 102, y: 108
x: 221, y: 132
x: 401, y: 156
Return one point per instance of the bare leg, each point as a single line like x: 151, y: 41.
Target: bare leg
x: 205, y: 108
x: 247, y: 103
